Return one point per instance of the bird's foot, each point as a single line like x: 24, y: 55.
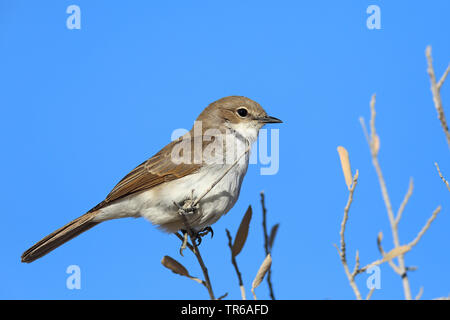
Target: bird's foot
x: 205, y: 231
x: 199, y: 235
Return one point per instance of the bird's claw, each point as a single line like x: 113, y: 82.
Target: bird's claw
x: 202, y: 233
x: 205, y: 231
x: 189, y: 207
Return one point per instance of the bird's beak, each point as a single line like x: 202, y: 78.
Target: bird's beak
x: 269, y: 119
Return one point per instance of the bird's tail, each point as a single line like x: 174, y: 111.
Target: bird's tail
x: 60, y: 236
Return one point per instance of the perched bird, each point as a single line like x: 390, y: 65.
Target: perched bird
x: 201, y: 172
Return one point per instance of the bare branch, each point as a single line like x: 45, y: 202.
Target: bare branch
x: 357, y: 264
x: 364, y: 128
x: 405, y: 201
x: 435, y: 90
x: 425, y: 227
x: 267, y: 247
x: 193, y: 247
x: 374, y: 148
x: 374, y: 140
x: 380, y: 248
x: 369, y: 295
x: 233, y: 261
x: 223, y: 296
x: 419, y: 295
x: 346, y: 210
x: 398, y: 251
x: 264, y: 222
x: 342, y: 250
x: 442, y: 177
x: 444, y: 76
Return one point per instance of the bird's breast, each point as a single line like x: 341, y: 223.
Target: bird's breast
x: 158, y: 203
x: 217, y: 184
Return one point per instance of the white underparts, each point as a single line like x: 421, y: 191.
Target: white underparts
x: 157, y: 204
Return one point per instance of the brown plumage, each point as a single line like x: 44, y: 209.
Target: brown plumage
x: 148, y: 174
x: 59, y: 237
x: 155, y: 171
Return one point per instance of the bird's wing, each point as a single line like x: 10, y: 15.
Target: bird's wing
x: 158, y: 169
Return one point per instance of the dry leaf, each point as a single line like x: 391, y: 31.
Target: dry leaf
x: 174, y: 266
x: 178, y: 268
x: 345, y: 163
x: 273, y: 233
x: 396, y: 252
x: 241, y: 234
x: 265, y: 266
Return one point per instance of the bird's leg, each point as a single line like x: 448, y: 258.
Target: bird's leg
x: 184, y: 210
x: 185, y: 241
x: 188, y: 208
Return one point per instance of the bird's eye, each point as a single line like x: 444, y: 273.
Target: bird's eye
x: 242, y: 112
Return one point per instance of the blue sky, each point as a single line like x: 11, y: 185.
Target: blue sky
x: 81, y: 108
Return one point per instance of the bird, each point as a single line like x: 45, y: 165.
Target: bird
x: 200, y: 173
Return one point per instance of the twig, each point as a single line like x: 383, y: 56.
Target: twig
x: 223, y: 296
x: 387, y: 201
x: 342, y: 250
x: 266, y: 244
x: 419, y: 295
x: 442, y: 177
x: 401, y: 269
x: 383, y: 254
x: 425, y: 227
x: 264, y: 223
x: 369, y: 295
x: 404, y: 202
x: 398, y: 251
x: 233, y: 261
x: 435, y: 90
x: 193, y: 247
